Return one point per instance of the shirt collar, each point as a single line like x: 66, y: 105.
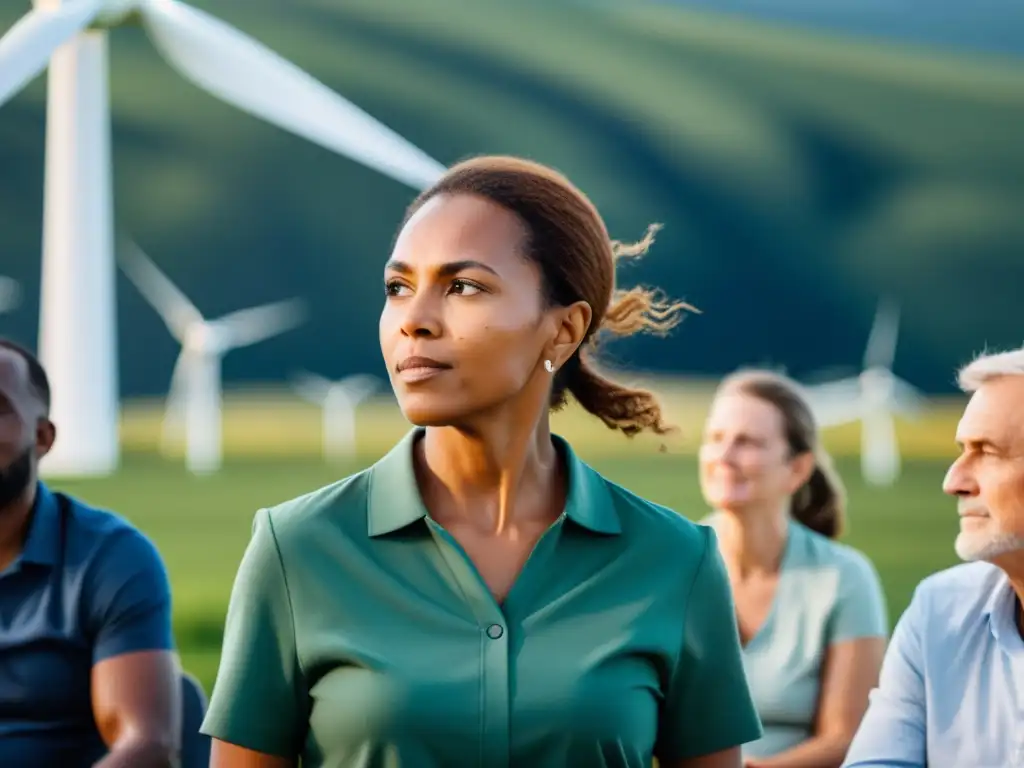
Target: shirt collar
x: 43, y: 540
x: 1000, y: 610
x: 394, y: 500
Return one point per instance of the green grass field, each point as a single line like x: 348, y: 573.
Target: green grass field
x: 202, y: 524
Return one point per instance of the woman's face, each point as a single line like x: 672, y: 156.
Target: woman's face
x: 745, y: 461
x: 464, y: 328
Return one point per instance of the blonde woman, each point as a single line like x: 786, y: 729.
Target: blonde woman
x: 811, y: 611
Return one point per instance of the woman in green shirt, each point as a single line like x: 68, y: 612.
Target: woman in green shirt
x: 480, y: 596
x: 811, y: 611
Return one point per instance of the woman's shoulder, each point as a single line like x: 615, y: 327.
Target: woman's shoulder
x: 646, y: 520
x: 821, y: 550
x: 348, y: 505
x: 332, y: 507
x: 823, y: 560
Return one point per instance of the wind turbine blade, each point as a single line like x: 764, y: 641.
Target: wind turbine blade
x: 10, y: 294
x: 880, y: 461
x: 249, y: 326
x: 243, y: 72
x: 171, y: 304
x: 26, y: 48
x: 907, y: 399
x: 835, y: 402
x: 311, y: 387
x: 359, y: 386
x: 173, y: 427
x: 881, y: 347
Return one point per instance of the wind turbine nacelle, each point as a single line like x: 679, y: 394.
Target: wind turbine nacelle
x: 878, y: 385
x: 111, y: 14
x: 201, y: 338
x: 117, y: 13
x: 114, y: 13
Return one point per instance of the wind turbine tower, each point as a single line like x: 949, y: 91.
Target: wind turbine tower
x: 77, y: 327
x: 339, y: 401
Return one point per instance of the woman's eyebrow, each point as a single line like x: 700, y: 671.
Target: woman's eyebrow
x: 446, y: 269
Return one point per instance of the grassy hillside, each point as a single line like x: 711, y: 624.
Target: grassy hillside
x: 799, y: 176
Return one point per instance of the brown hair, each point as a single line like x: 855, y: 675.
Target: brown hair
x: 568, y: 240
x: 821, y: 503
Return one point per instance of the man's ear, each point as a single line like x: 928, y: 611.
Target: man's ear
x: 573, y: 324
x: 46, y: 435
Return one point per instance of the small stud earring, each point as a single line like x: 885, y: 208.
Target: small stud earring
x: 549, y: 366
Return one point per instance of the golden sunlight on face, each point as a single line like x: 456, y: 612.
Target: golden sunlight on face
x: 988, y: 476
x: 461, y: 298
x: 744, y: 458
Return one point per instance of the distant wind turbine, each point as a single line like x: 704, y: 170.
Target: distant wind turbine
x: 195, y: 389
x: 10, y: 295
x: 872, y: 398
x: 338, y: 401
x: 77, y: 329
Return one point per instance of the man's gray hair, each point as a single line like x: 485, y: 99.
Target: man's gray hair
x: 988, y: 366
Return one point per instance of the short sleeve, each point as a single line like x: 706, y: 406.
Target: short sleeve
x: 129, y: 597
x: 708, y: 706
x: 259, y: 698
x: 860, y: 609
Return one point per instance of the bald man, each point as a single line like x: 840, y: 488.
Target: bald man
x: 88, y: 673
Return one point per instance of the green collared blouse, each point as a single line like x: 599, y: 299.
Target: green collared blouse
x: 360, y: 634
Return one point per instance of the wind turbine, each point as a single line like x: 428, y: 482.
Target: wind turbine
x: 195, y: 390
x: 10, y: 294
x: 338, y: 401
x: 77, y: 329
x: 872, y: 397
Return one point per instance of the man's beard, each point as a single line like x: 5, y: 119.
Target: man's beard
x: 975, y: 548
x: 15, y: 478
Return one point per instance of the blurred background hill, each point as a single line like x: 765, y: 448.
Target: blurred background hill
x: 989, y: 26
x: 801, y: 172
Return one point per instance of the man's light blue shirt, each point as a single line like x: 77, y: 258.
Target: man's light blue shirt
x: 951, y: 693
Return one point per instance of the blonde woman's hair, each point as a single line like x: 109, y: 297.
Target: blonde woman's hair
x: 821, y: 503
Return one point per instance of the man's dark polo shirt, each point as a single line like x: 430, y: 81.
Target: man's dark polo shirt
x: 88, y: 586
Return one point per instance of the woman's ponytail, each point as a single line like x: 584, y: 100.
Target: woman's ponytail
x: 636, y: 310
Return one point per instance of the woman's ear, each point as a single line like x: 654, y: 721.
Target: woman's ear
x: 801, y: 467
x: 573, y: 324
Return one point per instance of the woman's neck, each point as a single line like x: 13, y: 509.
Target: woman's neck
x: 495, y: 479
x: 753, y: 542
